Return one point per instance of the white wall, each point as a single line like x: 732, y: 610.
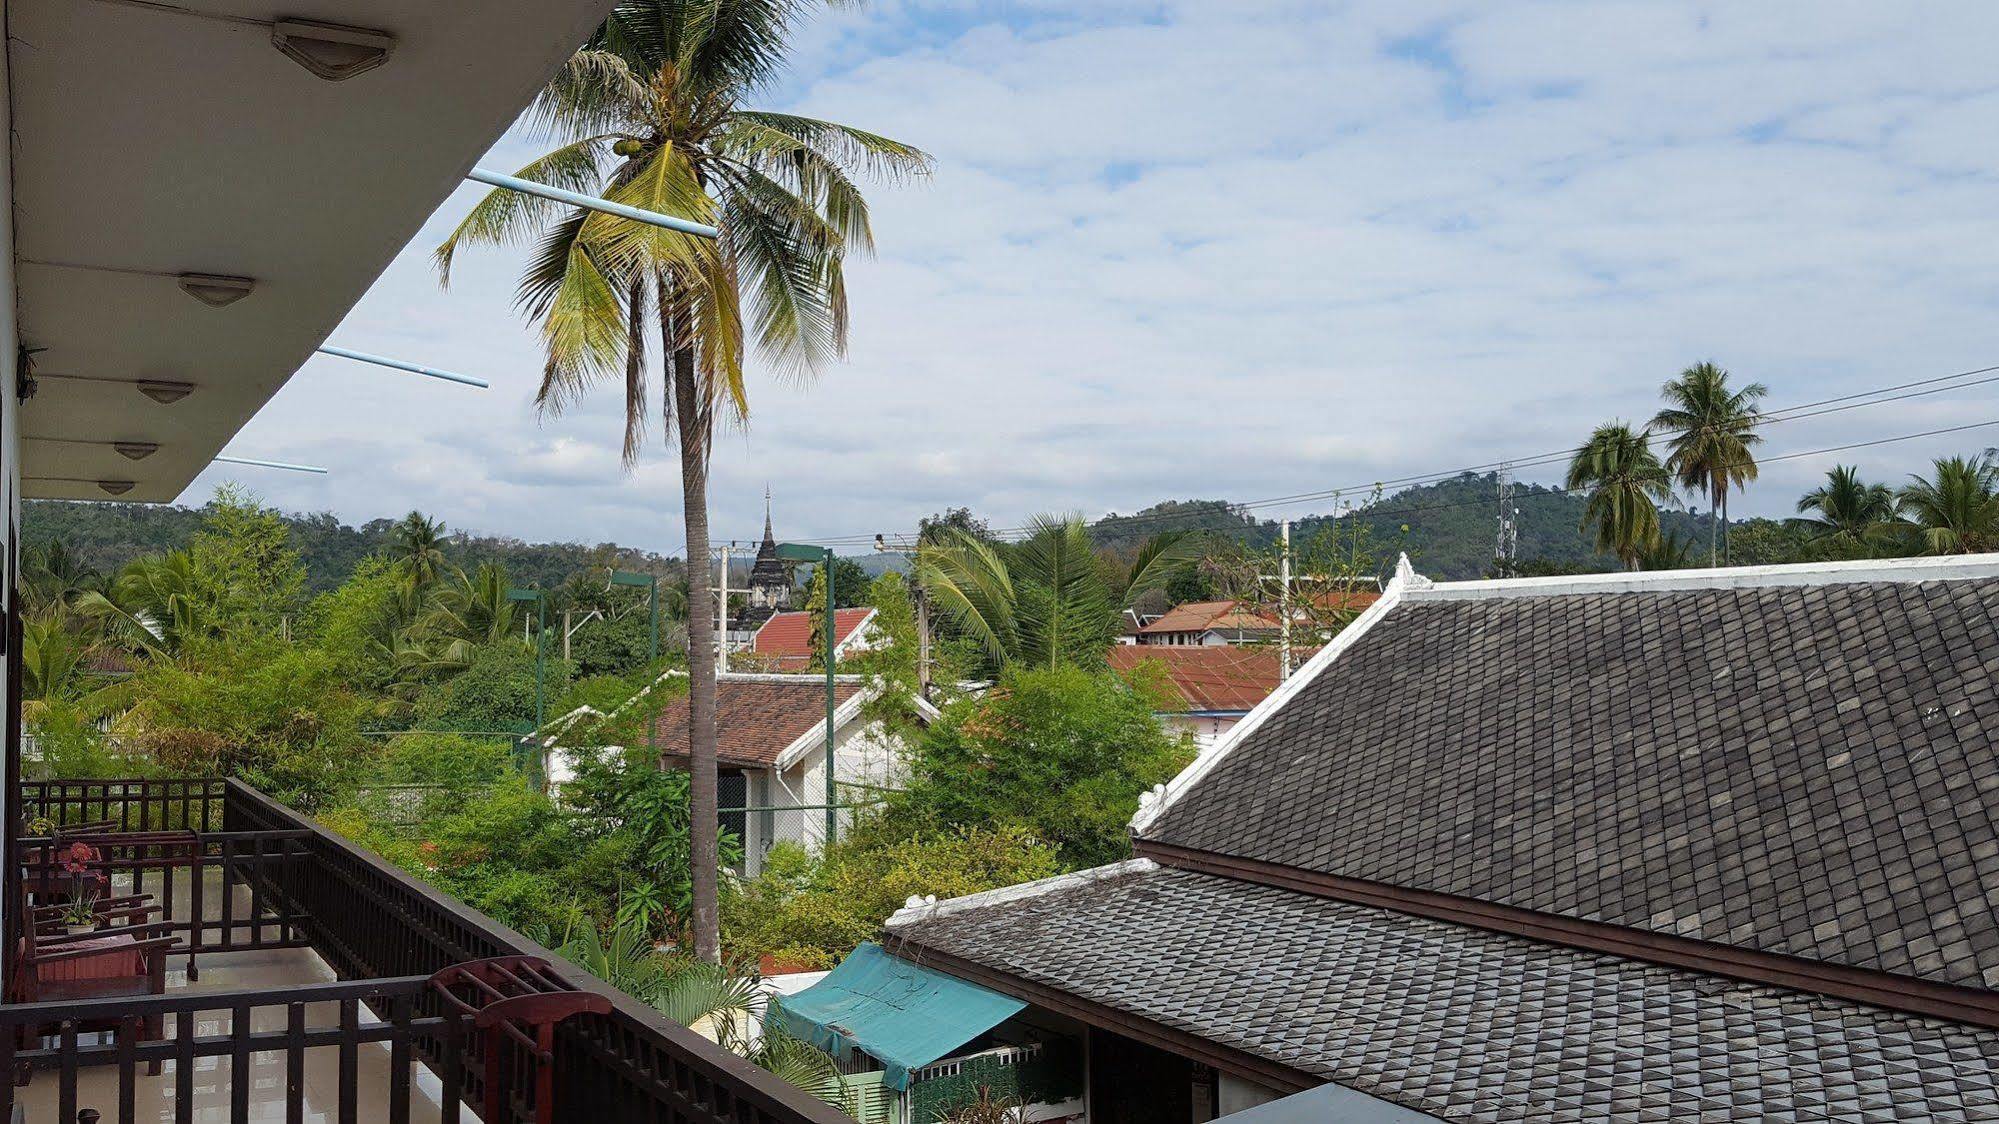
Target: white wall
x: 863, y: 752
x: 1207, y: 730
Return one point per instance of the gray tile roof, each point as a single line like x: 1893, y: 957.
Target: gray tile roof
x: 1802, y: 770
x: 1462, y: 1023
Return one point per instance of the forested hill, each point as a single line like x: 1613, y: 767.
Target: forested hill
x: 108, y: 535
x: 1448, y: 528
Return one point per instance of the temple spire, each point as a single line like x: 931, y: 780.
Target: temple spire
x: 768, y: 537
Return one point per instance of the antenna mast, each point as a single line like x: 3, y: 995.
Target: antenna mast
x: 1506, y: 548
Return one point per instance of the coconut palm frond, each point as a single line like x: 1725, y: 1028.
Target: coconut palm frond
x: 873, y: 155
x: 967, y: 580
x: 507, y: 217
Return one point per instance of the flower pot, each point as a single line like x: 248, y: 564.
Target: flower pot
x: 77, y: 929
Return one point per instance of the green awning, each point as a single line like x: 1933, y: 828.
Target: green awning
x: 903, y: 1015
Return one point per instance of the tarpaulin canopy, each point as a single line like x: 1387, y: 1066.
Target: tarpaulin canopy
x: 901, y: 1014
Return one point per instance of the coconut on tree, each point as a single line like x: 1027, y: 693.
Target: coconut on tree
x: 654, y: 112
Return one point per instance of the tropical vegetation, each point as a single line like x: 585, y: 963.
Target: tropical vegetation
x: 653, y: 112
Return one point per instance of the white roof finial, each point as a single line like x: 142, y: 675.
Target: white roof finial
x: 1406, y: 575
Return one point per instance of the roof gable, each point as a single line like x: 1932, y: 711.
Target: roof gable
x: 757, y: 717
x: 1797, y: 761
x: 1200, y: 616
x: 786, y: 638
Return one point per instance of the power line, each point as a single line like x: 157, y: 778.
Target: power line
x: 1798, y: 412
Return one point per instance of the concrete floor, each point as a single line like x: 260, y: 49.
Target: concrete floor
x: 97, y: 1086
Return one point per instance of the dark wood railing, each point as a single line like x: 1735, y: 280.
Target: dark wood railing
x: 399, y: 1025
x: 374, y: 924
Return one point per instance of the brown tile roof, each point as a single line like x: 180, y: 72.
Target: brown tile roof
x: 756, y: 717
x: 1802, y: 770
x: 784, y: 643
x: 1199, y: 616
x: 1212, y: 677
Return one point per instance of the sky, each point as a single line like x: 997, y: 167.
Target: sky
x: 1262, y: 247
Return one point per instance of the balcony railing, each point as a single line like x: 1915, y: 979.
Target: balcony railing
x: 387, y: 937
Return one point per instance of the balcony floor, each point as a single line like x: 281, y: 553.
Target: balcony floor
x: 97, y: 1086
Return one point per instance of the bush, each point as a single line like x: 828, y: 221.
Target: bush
x: 273, y: 713
x: 1063, y: 753
x: 812, y: 911
x: 496, y: 692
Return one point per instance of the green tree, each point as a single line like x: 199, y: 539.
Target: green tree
x: 812, y: 910
x: 1845, y: 511
x: 246, y: 547
x: 1062, y: 752
x: 815, y: 610
x: 651, y: 113
x: 1712, y: 435
x: 1626, y: 483
x: 418, y: 541
x: 277, y: 714
x: 494, y: 692
x: 1956, y: 511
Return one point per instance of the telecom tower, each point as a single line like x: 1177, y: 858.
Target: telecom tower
x: 1506, y: 548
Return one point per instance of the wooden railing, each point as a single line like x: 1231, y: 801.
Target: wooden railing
x: 242, y: 1050
x: 378, y: 926
x: 172, y: 866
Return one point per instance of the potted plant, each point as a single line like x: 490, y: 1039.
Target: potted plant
x: 79, y: 915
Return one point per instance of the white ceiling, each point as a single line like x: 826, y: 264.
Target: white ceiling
x: 156, y: 141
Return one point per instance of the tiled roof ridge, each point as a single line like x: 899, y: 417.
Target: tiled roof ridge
x: 1954, y: 567
x: 924, y: 908
x: 1155, y: 802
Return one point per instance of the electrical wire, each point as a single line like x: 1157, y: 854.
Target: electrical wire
x: 1877, y: 396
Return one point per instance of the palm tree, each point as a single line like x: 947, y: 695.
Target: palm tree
x: 1045, y: 600
x: 157, y: 604
x: 1847, y: 510
x: 706, y: 998
x: 1713, y: 432
x: 651, y: 113
x: 1670, y: 551
x: 1625, y: 482
x: 419, y: 543
x: 1957, y: 511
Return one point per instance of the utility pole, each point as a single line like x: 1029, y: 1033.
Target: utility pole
x: 1284, y: 608
x: 1507, y: 546
x: 922, y: 642
x: 722, y: 664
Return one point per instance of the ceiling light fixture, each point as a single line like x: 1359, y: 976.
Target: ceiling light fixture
x: 115, y: 487
x: 135, y: 450
x: 214, y: 289
x: 164, y: 392
x: 331, y: 51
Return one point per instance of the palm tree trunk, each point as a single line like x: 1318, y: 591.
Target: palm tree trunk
x: 1727, y: 556
x: 704, y: 852
x: 1713, y: 531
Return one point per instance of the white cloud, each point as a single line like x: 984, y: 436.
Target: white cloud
x: 1246, y: 249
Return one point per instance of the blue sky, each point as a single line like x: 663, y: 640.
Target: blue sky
x: 1260, y: 247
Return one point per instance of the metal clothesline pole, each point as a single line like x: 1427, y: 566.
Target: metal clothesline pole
x: 591, y: 202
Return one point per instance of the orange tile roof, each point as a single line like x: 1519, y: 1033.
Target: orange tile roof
x: 785, y: 640
x: 1214, y: 677
x: 1200, y: 616
x: 755, y: 718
